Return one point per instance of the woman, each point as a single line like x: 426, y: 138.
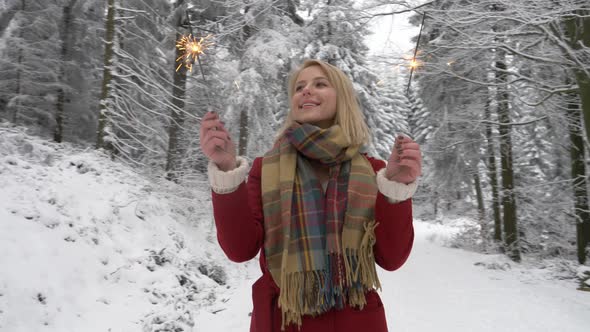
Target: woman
x: 320, y: 213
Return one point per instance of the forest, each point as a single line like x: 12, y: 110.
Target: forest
x: 497, y: 94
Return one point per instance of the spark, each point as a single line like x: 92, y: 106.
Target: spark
x: 412, y: 61
x: 192, y: 47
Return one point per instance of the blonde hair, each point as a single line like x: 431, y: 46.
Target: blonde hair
x: 348, y: 111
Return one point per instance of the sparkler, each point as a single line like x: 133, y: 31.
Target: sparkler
x: 414, y: 63
x: 192, y: 48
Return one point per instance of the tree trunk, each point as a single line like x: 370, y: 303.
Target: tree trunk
x: 579, y: 177
x: 103, y: 118
x: 328, y: 34
x: 177, y: 116
x: 243, y: 134
x: 493, y: 174
x: 18, y: 71
x: 292, y: 13
x: 508, y: 197
x: 578, y: 31
x: 479, y: 195
x: 65, y: 46
x: 435, y: 205
x: 243, y: 142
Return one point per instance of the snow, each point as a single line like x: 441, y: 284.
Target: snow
x: 444, y: 289
x: 89, y: 245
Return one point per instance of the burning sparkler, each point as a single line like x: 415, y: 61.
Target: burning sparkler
x: 414, y: 63
x: 192, y: 48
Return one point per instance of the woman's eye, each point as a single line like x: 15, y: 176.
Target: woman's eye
x: 321, y: 84
x: 298, y: 88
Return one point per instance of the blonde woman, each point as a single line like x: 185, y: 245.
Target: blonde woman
x: 320, y: 213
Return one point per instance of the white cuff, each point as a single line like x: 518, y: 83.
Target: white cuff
x: 395, y: 191
x: 226, y: 182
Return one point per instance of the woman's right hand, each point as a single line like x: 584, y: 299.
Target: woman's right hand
x: 216, y: 143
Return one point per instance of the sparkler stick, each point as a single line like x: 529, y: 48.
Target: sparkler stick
x: 414, y: 64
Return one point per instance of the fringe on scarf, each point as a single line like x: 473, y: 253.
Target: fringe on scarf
x: 306, y: 293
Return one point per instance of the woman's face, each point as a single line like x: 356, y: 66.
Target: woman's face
x: 314, y: 98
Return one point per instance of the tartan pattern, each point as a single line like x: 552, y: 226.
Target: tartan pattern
x: 318, y: 248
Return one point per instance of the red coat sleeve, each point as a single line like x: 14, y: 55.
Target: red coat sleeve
x: 238, y: 218
x: 395, y: 232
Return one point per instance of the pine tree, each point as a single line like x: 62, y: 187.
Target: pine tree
x: 30, y: 63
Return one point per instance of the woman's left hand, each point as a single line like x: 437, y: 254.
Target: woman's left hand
x: 405, y: 163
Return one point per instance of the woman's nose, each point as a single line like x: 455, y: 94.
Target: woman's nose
x: 305, y: 90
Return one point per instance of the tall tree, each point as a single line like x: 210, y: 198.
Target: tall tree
x: 459, y: 75
x: 177, y: 116
x: 66, y: 37
x: 103, y: 139
x: 577, y: 26
x: 506, y: 160
x: 29, y: 63
x: 578, y: 174
x: 492, y: 171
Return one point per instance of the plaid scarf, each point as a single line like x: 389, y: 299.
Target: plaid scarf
x: 319, y: 249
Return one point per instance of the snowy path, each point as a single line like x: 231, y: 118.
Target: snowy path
x: 441, y: 289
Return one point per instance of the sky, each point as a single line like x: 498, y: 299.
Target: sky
x: 392, y: 35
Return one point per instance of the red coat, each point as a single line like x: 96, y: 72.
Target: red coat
x: 240, y: 232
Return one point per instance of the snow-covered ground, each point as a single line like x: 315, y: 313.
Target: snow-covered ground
x: 452, y: 290
x: 86, y: 244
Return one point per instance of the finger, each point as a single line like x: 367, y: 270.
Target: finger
x: 222, y: 133
x: 410, y: 146
x: 413, y: 165
x: 210, y: 115
x: 403, y: 138
x: 210, y: 124
x: 206, y: 123
x: 396, y: 149
x: 215, y: 134
x: 411, y: 154
x: 215, y: 144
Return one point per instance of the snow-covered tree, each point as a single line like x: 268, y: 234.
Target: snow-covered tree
x: 269, y: 39
x: 504, y: 78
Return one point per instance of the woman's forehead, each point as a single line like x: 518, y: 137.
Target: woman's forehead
x: 311, y: 73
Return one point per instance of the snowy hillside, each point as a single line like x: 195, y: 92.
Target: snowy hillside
x: 88, y: 245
